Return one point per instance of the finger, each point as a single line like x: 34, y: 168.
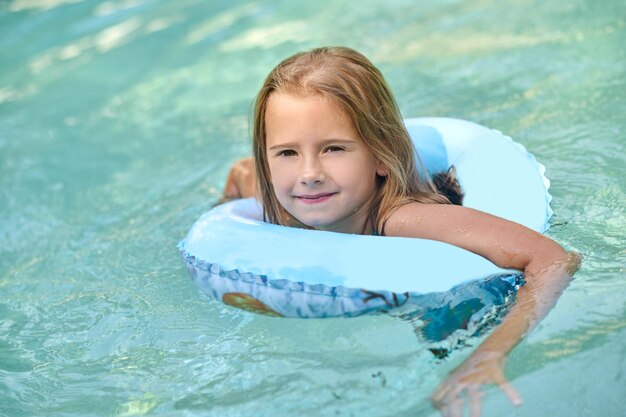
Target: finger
x: 440, y: 393
x: 475, y: 400
x: 443, y: 399
x: 511, y: 393
x: 456, y: 407
x: 452, y: 404
x: 445, y: 410
x: 446, y: 394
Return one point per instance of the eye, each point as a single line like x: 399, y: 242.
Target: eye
x: 286, y: 152
x: 334, y: 148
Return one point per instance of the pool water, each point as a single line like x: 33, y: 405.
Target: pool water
x: 118, y: 123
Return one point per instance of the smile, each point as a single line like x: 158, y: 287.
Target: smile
x: 315, y: 198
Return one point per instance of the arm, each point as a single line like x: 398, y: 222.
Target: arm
x: 241, y: 181
x: 547, y: 270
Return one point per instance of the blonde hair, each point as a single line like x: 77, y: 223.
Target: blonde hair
x: 351, y: 81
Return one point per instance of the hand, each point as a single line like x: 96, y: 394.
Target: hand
x: 241, y: 180
x: 468, y: 378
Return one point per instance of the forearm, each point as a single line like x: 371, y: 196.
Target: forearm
x: 535, y: 299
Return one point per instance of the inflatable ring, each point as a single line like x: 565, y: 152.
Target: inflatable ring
x: 281, y: 271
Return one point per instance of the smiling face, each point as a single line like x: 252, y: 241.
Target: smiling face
x: 322, y: 172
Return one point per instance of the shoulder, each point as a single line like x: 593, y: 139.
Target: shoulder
x: 241, y: 180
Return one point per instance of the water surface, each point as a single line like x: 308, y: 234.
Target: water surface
x: 119, y: 121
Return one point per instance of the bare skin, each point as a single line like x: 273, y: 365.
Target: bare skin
x: 547, y: 270
x: 241, y: 180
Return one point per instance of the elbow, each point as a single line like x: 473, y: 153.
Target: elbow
x: 553, y: 261
x: 573, y: 262
x: 568, y: 261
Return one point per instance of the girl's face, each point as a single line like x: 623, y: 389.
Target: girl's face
x: 322, y: 172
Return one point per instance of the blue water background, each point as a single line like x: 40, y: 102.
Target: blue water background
x: 119, y: 121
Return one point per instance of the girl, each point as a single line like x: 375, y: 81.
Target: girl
x: 331, y: 152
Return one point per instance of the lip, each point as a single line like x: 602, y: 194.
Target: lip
x: 314, y: 198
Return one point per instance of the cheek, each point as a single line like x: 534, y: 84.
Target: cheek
x: 358, y: 171
x: 277, y: 176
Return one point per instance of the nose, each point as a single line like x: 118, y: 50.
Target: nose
x: 312, y: 171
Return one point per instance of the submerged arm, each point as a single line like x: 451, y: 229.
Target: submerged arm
x: 547, y: 270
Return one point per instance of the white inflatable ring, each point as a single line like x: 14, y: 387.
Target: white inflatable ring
x: 240, y: 260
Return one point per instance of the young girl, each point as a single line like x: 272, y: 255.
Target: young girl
x: 331, y: 153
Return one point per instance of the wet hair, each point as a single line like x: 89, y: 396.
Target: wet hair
x: 348, y: 79
x: 447, y: 184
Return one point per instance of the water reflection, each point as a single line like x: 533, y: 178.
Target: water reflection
x: 21, y: 5
x: 268, y: 37
x: 218, y: 23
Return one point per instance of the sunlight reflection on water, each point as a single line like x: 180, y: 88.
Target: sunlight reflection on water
x: 118, y: 122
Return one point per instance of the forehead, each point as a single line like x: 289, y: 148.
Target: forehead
x: 281, y: 101
x: 289, y: 116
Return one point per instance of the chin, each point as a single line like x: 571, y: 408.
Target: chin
x: 314, y: 222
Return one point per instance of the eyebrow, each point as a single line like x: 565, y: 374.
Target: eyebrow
x: 324, y: 142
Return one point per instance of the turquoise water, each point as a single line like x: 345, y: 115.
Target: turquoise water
x: 119, y: 121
